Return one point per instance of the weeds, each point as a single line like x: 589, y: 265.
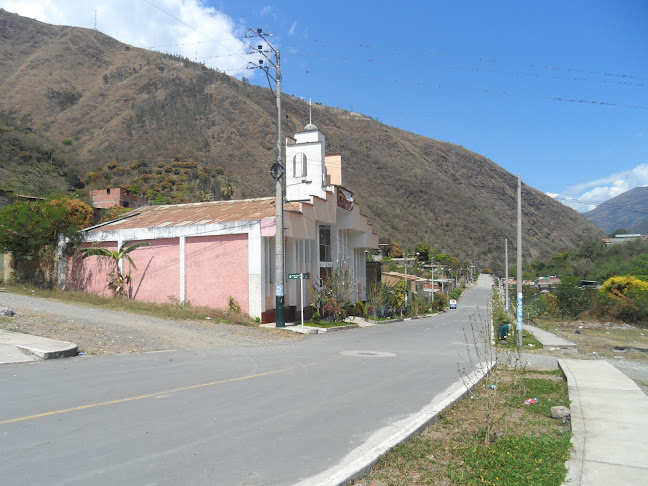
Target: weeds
x: 527, y: 446
x: 168, y: 310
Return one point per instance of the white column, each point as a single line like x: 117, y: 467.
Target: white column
x: 256, y: 293
x: 183, y: 268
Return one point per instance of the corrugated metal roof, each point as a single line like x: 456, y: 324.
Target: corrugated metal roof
x: 196, y: 213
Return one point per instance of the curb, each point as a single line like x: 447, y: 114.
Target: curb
x: 71, y: 350
x: 336, y: 328
x: 574, y: 464
x: 342, y: 475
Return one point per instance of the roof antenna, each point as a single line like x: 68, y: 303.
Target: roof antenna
x: 310, y: 111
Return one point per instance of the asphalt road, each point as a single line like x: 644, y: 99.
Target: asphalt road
x: 235, y: 416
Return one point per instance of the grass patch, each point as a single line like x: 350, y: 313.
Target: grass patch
x: 381, y: 319
x: 326, y: 324
x: 527, y: 446
x: 511, y: 342
x: 170, y: 310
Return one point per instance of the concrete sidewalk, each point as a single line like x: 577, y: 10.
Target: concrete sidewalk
x: 17, y: 347
x: 609, y: 420
x: 548, y: 339
x: 609, y: 417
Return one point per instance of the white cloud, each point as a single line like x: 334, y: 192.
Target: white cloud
x: 586, y: 196
x: 293, y: 27
x: 188, y: 28
x: 552, y: 195
x: 268, y: 10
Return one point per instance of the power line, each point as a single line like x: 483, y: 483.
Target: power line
x: 488, y: 60
x: 604, y: 203
x: 192, y: 43
x: 190, y: 26
x: 492, y: 91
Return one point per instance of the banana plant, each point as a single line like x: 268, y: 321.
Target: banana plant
x: 118, y: 280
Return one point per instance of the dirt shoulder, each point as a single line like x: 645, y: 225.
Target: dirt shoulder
x: 101, y: 331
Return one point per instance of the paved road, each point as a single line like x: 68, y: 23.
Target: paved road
x: 233, y: 416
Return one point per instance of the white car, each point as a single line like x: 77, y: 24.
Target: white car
x: 453, y: 304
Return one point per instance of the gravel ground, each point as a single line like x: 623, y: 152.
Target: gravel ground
x: 100, y: 331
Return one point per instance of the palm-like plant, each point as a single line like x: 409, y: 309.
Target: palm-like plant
x: 118, y: 280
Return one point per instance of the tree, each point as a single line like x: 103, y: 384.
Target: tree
x: 618, y: 287
x: 396, y: 251
x: 227, y: 191
x: 113, y: 213
x: 571, y: 300
x: 423, y: 250
x: 118, y: 280
x: 30, y: 229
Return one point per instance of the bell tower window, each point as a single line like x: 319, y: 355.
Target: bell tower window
x: 299, y: 165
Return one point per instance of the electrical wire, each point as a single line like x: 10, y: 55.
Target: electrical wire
x: 604, y: 203
x: 486, y: 60
x: 483, y: 90
x: 191, y: 27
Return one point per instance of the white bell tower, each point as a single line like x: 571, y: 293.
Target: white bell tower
x: 306, y: 164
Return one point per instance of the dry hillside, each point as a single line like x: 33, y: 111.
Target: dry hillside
x: 112, y: 102
x: 628, y: 211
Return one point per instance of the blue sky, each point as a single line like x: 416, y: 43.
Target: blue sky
x: 555, y: 91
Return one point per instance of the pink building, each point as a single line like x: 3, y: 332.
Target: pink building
x: 207, y: 252
x: 116, y: 196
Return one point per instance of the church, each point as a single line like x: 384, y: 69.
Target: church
x: 212, y: 252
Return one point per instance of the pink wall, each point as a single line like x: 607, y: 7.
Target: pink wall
x: 91, y: 274
x: 157, y: 278
x: 217, y: 268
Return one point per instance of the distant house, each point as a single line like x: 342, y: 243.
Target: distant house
x: 208, y: 253
x: 116, y: 196
x: 416, y: 284
x: 623, y: 239
x: 589, y: 284
x: 546, y: 283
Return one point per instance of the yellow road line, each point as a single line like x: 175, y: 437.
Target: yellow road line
x: 150, y: 395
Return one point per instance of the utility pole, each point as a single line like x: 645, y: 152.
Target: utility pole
x: 432, y: 266
x: 277, y: 169
x: 506, y: 273
x: 406, y: 283
x: 519, y: 263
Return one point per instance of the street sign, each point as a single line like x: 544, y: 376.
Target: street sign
x: 296, y: 276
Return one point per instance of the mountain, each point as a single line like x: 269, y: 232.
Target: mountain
x: 109, y: 113
x: 627, y: 211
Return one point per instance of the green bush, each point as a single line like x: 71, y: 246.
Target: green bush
x: 455, y: 293
x: 418, y: 306
x: 440, y: 302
